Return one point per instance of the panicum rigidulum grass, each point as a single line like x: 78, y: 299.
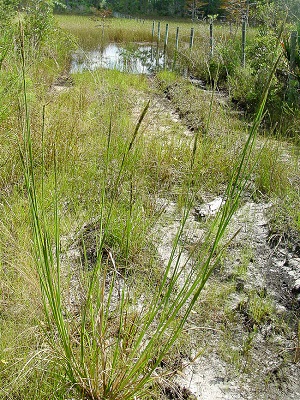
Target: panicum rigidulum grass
x: 111, y: 347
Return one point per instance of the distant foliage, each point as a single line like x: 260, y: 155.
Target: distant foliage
x: 7, y: 10
x: 38, y: 20
x: 236, y: 9
x: 194, y: 9
x: 7, y: 13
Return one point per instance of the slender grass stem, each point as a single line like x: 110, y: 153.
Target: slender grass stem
x: 120, y: 343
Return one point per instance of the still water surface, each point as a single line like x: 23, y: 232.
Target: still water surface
x: 136, y: 59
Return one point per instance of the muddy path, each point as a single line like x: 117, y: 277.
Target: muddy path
x: 243, y: 336
x: 249, y: 341
x: 244, y: 356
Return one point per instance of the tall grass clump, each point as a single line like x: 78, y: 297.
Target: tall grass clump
x: 91, y: 34
x: 111, y: 345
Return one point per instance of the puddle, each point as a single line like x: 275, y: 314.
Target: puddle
x: 134, y: 59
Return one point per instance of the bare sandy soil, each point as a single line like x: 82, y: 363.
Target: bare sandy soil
x: 246, y: 345
x: 257, y: 359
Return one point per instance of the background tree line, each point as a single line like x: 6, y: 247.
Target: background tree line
x: 194, y: 9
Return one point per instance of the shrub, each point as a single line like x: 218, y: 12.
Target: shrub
x: 243, y: 88
x: 246, y: 84
x: 38, y: 20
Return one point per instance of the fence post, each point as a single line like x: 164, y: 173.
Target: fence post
x: 211, y: 38
x: 158, y: 31
x: 243, y: 42
x: 176, y: 48
x: 192, y: 38
x: 166, y: 37
x: 177, y: 38
x: 293, y: 44
x: 165, y: 44
x: 153, y: 27
x: 292, y: 80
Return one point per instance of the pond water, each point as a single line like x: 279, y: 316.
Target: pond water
x: 135, y: 59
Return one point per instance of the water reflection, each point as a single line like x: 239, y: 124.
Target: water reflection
x: 132, y: 59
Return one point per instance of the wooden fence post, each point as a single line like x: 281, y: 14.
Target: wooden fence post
x: 166, y: 38
x: 244, y: 42
x: 165, y: 45
x: 292, y: 80
x: 176, y: 48
x: 192, y: 38
x: 153, y: 27
x: 211, y: 39
x: 158, y: 32
x: 177, y: 38
x: 293, y: 45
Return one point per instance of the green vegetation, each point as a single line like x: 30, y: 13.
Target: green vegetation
x: 223, y: 70
x: 87, y: 308
x: 194, y: 9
